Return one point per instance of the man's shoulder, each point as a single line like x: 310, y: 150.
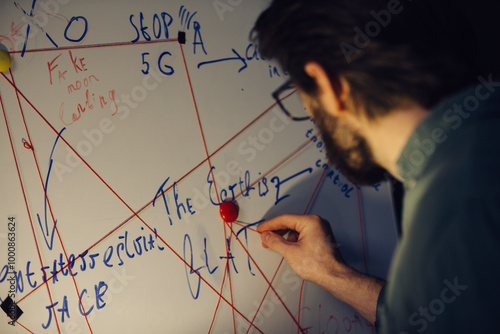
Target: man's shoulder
x: 460, y: 146
x: 445, y: 269
x: 459, y: 183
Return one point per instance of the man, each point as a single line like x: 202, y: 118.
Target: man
x: 404, y: 87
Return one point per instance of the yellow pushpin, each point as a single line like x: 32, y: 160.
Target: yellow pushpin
x: 5, y: 60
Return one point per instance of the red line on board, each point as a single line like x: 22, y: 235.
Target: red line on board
x: 315, y: 192
x: 265, y: 279
x: 120, y: 44
x: 362, y: 230
x: 218, y: 302
x: 108, y: 235
x: 225, y: 236
x: 24, y: 327
x: 134, y: 214
x: 208, y: 159
x: 265, y: 294
x: 274, y: 168
x: 93, y: 46
x: 365, y: 262
x: 227, y: 242
x: 210, y: 286
x: 201, y: 277
x: 48, y: 202
x: 300, y: 299
x: 361, y: 225
x: 307, y: 208
x: 257, y: 181
x: 281, y: 262
x: 26, y: 203
x: 247, y: 126
x: 198, y: 119
x: 291, y: 155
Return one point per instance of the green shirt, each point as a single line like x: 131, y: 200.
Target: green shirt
x: 445, y: 274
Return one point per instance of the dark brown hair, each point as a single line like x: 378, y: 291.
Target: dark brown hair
x: 390, y: 52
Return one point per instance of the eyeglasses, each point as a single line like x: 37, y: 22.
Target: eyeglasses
x: 287, y: 99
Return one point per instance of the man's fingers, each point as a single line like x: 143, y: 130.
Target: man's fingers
x: 284, y: 222
x: 274, y: 241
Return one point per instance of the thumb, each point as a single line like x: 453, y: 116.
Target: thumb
x: 274, y: 241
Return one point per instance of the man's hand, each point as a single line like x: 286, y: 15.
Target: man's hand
x: 311, y: 251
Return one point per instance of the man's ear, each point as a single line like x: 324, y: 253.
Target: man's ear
x: 333, y: 98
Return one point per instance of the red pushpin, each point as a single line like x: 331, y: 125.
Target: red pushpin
x: 229, y: 211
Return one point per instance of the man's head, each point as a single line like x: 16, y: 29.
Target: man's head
x: 345, y: 146
x: 376, y: 55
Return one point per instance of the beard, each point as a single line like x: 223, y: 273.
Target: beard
x: 347, y: 149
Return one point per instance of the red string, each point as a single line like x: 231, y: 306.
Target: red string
x: 218, y: 302
x: 316, y: 190
x: 240, y: 194
x: 24, y: 327
x: 265, y: 294
x: 306, y: 211
x: 300, y: 299
x: 64, y: 48
x: 248, y: 125
x: 199, y: 121
x: 227, y: 242
x: 279, y: 164
x: 258, y: 180
x: 189, y: 266
x: 26, y: 203
x: 365, y: 262
x: 48, y: 203
x: 362, y: 230
x: 268, y: 283
x: 307, y: 208
x: 228, y: 268
x: 135, y: 214
x: 111, y: 232
x: 95, y: 173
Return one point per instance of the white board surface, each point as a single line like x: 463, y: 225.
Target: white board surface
x: 117, y: 145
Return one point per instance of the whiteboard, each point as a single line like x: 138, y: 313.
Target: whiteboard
x: 119, y: 142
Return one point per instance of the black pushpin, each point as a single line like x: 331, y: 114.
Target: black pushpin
x: 181, y: 37
x: 12, y: 310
